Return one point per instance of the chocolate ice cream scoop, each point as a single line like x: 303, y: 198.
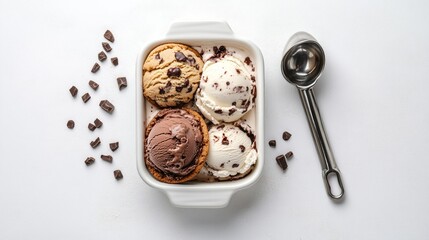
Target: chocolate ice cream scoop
x: 175, y: 142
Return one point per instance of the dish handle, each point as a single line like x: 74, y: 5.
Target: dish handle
x: 206, y: 29
x: 200, y: 198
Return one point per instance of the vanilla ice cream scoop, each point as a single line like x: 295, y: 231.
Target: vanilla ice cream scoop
x: 232, y: 153
x: 226, y: 90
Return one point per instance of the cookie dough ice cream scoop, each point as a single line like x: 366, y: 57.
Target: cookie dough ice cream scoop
x: 226, y: 90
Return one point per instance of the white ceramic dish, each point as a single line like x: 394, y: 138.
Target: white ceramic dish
x: 200, y: 194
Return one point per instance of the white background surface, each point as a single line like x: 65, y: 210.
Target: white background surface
x: 372, y: 96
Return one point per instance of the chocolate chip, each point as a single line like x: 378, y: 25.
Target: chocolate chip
x: 227, y: 83
x: 107, y: 158
x: 179, y: 89
x: 161, y: 61
x: 106, y: 46
x: 215, y: 138
x: 70, y: 124
x: 89, y: 161
x: 114, y: 146
x: 225, y: 140
x: 157, y: 57
x: 286, y: 135
x: 86, y: 97
x: 242, y: 148
x: 73, y: 91
x: 222, y: 165
x: 252, y: 78
x: 107, y: 106
x: 118, y: 174
x: 234, y: 103
x: 237, y: 89
x: 95, y: 68
x: 281, y: 161
x: 247, y: 61
x: 218, y: 111
x: 91, y: 126
x: 289, y: 155
x: 167, y: 86
x: 114, y: 61
x: 161, y: 91
x: 109, y: 36
x: 93, y: 85
x: 98, y: 123
x: 272, y: 143
x: 174, y: 72
x: 222, y: 49
x: 215, y: 85
x: 235, y: 165
x: 95, y: 143
x: 186, y: 83
x: 189, y: 89
x: 180, y: 57
x: 231, y: 111
x: 191, y: 61
x: 215, y: 50
x: 122, y: 82
x: 238, y: 71
x: 102, y: 56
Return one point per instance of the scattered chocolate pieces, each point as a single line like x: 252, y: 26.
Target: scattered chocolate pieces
x: 95, y: 143
x: 98, y: 123
x: 272, y: 143
x: 70, y: 124
x: 107, y: 106
x: 95, y: 68
x: 93, y: 85
x: 114, y: 61
x: 102, y: 56
x: 86, y: 97
x: 286, y: 135
x: 106, y: 46
x: 73, y: 91
x: 281, y: 161
x: 114, y: 146
x: 109, y: 36
x: 91, y: 127
x: 289, y: 155
x: 118, y: 174
x: 89, y: 161
x: 107, y: 158
x: 122, y: 82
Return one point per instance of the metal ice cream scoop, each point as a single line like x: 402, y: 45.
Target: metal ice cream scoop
x: 302, y: 65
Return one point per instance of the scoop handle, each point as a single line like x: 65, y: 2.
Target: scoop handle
x: 329, y: 166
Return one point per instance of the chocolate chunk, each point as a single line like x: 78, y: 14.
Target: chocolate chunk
x: 106, y: 46
x: 118, y: 174
x: 174, y: 72
x: 281, y: 161
x: 95, y: 68
x: 107, y: 106
x: 186, y: 83
x: 122, y: 82
x: 89, y: 161
x: 247, y: 61
x: 179, y: 89
x: 114, y: 61
x: 86, y: 97
x: 109, y: 36
x: 180, y: 57
x: 107, y: 158
x: 161, y: 91
x: 73, y: 91
x: 235, y: 165
x: 222, y: 49
x: 232, y: 111
x: 95, y: 143
x: 91, y: 126
x: 189, y: 89
x: 289, y: 155
x: 242, y: 148
x: 286, y: 135
x: 70, y: 124
x: 218, y: 111
x: 93, y: 85
x: 225, y: 140
x: 102, y: 56
x: 114, y: 146
x: 272, y: 143
x: 98, y: 123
